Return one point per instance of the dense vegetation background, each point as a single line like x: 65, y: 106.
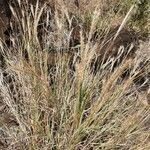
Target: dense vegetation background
x: 74, y: 75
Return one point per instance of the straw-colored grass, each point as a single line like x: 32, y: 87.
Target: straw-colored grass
x: 50, y: 96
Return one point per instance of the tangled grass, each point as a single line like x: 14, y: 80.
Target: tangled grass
x: 50, y: 100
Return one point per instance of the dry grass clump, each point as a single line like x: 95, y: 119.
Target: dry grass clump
x: 52, y: 98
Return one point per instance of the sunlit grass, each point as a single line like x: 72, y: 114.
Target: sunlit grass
x: 54, y: 98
